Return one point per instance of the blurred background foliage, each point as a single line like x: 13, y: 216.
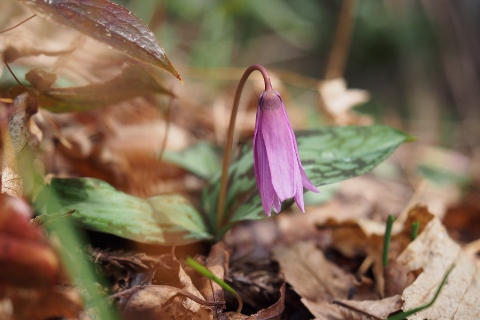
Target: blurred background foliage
x: 418, y: 59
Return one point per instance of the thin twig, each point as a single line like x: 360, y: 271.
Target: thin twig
x: 346, y: 306
x: 6, y: 30
x: 13, y: 74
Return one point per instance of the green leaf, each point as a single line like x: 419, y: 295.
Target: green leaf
x: 440, y: 176
x: 165, y: 219
x: 133, y: 82
x: 200, y: 159
x: 328, y: 155
x: 109, y: 23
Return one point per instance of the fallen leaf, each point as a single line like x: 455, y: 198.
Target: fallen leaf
x: 274, y: 312
x: 176, y: 297
x: 434, y: 252
x: 109, y: 23
x: 134, y: 81
x: 317, y: 280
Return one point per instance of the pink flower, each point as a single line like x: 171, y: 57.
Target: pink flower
x: 277, y: 165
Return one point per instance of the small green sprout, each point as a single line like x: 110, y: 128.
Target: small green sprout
x: 386, y: 239
x: 207, y: 273
x: 414, y: 231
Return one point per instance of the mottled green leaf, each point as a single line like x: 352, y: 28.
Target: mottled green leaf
x: 109, y: 23
x: 133, y: 82
x: 165, y: 219
x: 328, y: 155
x: 200, y: 159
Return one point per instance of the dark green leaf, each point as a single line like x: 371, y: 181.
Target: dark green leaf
x: 109, y: 23
x: 132, y: 82
x: 166, y: 219
x: 328, y: 155
x: 200, y: 159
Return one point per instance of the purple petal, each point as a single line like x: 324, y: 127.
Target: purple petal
x: 279, y: 145
x: 262, y: 171
x: 276, y: 203
x: 299, y: 199
x: 307, y: 184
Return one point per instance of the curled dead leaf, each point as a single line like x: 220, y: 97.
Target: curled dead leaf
x: 175, y: 297
x: 26, y: 259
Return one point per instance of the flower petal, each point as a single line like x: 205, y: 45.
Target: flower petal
x: 276, y: 203
x: 299, y: 199
x: 262, y: 171
x: 307, y: 184
x: 279, y: 145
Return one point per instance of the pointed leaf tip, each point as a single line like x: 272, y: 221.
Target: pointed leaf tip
x: 109, y: 23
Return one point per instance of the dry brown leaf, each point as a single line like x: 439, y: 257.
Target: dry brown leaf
x: 317, y: 280
x: 180, y: 299
x: 274, y: 312
x: 33, y: 304
x: 164, y: 302
x: 434, y: 252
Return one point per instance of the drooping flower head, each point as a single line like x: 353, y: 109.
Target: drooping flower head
x: 277, y: 165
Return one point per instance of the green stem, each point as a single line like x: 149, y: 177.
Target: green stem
x: 405, y: 314
x: 386, y: 239
x: 414, y: 231
x: 229, y: 145
x: 207, y: 273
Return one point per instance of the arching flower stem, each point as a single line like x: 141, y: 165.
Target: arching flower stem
x: 231, y: 130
